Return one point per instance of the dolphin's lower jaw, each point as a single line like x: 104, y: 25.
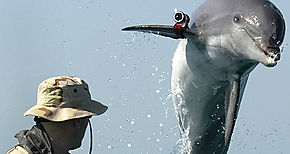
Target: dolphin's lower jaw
x: 270, y: 62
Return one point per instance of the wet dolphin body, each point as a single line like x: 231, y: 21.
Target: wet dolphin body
x: 224, y: 42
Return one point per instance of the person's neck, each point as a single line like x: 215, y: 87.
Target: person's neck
x: 58, y: 149
x: 57, y: 141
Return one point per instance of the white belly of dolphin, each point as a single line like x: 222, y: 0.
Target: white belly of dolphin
x: 198, y: 92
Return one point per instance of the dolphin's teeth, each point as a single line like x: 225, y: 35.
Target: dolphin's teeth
x: 271, y: 54
x: 275, y: 56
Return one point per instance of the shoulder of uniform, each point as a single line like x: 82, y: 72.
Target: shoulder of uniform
x: 9, y: 151
x: 17, y: 150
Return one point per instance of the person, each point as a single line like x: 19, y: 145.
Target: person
x: 64, y: 107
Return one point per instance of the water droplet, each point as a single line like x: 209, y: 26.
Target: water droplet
x: 155, y: 68
x: 169, y: 96
x: 194, y: 85
x: 217, y: 106
x: 161, y: 125
x: 184, y: 111
x: 215, y: 89
x: 157, y: 91
x: 149, y: 116
x: 129, y: 145
x: 166, y: 112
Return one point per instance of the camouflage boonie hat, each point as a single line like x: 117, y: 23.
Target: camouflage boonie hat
x: 64, y: 98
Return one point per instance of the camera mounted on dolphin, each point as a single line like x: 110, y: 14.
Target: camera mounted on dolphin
x: 181, y: 22
x: 180, y: 30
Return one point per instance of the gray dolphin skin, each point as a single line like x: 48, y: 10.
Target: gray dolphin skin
x: 224, y: 41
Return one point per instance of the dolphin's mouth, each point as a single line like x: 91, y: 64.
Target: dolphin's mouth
x: 272, y: 52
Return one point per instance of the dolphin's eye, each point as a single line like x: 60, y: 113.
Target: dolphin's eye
x: 237, y: 19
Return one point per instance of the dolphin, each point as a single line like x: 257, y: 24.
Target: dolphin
x: 219, y: 46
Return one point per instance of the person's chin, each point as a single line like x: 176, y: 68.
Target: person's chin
x: 76, y: 146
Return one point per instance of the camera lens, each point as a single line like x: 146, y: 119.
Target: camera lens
x: 178, y: 17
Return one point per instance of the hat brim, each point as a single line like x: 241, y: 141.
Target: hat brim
x: 63, y: 114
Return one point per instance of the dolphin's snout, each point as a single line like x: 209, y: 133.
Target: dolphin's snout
x: 274, y: 52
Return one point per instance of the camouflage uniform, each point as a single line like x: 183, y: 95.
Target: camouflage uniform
x: 17, y: 150
x: 59, y: 99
